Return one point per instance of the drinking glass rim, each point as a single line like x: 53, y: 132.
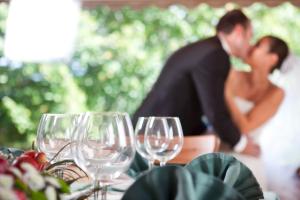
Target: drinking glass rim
x: 60, y: 114
x: 105, y: 113
x: 87, y: 112
x: 163, y: 117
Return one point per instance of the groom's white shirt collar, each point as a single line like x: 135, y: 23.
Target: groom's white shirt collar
x: 224, y: 44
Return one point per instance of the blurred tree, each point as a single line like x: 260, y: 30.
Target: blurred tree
x: 118, y: 57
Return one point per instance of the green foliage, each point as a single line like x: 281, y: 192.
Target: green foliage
x: 118, y: 56
x: 64, y: 187
x: 19, y: 114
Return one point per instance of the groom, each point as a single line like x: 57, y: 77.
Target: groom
x: 191, y: 84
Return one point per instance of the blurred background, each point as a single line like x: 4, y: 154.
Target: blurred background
x: 118, y: 56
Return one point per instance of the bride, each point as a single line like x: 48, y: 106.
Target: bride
x: 251, y: 97
x: 265, y: 108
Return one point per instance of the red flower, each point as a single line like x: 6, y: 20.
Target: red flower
x: 3, y: 165
x: 30, y: 153
x: 41, y: 159
x: 36, y: 159
x: 21, y: 195
x: 25, y: 159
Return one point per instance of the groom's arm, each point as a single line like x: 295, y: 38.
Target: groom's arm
x: 209, y: 79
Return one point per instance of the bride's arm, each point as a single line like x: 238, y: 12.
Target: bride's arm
x: 259, y: 114
x: 264, y: 109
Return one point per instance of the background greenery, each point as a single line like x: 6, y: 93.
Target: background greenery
x: 118, y: 57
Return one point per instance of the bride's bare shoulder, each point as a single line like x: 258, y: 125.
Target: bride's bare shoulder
x: 276, y: 92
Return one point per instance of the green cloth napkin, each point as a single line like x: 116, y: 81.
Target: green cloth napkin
x: 230, y: 171
x: 178, y: 183
x: 10, y: 153
x: 211, y: 176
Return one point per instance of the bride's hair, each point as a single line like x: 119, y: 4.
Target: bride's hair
x: 278, y: 47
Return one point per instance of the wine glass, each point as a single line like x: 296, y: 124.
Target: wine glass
x: 54, y: 135
x: 105, y: 147
x: 140, y: 131
x: 163, y: 138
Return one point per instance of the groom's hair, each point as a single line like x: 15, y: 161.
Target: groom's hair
x: 278, y: 47
x: 232, y: 18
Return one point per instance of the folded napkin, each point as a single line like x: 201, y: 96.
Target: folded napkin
x: 178, y: 183
x: 10, y: 153
x: 210, y: 176
x: 230, y: 171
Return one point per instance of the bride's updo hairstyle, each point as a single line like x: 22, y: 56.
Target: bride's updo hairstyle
x: 278, y: 47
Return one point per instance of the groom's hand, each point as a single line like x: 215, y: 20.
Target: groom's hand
x: 251, y: 148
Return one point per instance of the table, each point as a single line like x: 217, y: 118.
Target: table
x: 281, y: 180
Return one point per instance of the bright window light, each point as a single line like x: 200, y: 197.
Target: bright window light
x: 41, y: 30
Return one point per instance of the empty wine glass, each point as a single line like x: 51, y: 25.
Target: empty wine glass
x: 105, y: 147
x: 163, y: 138
x: 140, y: 131
x: 54, y: 135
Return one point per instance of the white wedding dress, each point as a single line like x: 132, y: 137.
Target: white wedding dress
x: 254, y: 163
x: 281, y: 133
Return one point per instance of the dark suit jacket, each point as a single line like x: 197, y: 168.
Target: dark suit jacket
x: 191, y: 85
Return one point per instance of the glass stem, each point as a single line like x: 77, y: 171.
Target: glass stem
x: 104, y: 192
x: 96, y: 188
